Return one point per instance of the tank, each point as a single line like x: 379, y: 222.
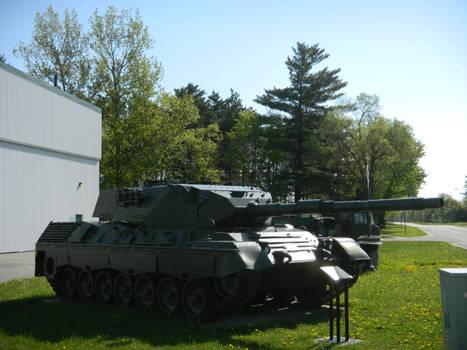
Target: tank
x: 200, y: 249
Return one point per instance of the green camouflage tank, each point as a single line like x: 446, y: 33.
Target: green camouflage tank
x: 199, y: 249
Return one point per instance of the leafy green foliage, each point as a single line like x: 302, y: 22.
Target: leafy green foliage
x: 202, y: 103
x: 58, y: 46
x: 144, y: 134
x: 125, y: 84
x: 246, y: 147
x: 376, y: 151
x: 176, y: 151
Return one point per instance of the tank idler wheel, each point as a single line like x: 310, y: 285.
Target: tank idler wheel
x: 195, y: 299
x: 123, y: 289
x: 85, y: 285
x: 68, y: 283
x: 144, y: 292
x: 103, y: 287
x: 168, y: 295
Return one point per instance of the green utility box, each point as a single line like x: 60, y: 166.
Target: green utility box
x: 454, y: 299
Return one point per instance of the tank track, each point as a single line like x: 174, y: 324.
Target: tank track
x: 244, y: 292
x: 224, y: 302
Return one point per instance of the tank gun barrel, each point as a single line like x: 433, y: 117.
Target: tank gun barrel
x: 330, y: 206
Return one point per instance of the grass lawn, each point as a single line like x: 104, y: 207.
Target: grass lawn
x: 399, y: 306
x: 395, y: 230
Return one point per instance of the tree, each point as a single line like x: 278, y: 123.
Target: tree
x: 304, y: 103
x: 2, y: 58
x: 179, y: 153
x: 125, y: 85
x: 378, y: 152
x: 366, y: 108
x: 145, y: 134
x: 206, y: 114
x: 58, y: 47
x: 452, y: 211
x: 225, y: 112
x: 246, y: 148
x: 275, y: 177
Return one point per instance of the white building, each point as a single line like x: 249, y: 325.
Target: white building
x: 50, y: 147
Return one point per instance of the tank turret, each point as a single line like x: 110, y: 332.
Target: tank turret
x: 227, y: 206
x: 180, y: 206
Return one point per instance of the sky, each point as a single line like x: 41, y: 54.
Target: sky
x: 412, y: 54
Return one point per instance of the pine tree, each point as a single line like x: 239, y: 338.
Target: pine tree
x: 304, y: 103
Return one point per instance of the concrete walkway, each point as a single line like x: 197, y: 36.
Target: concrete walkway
x: 455, y: 235
x: 16, y: 265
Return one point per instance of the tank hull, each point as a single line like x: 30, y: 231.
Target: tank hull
x: 103, y: 262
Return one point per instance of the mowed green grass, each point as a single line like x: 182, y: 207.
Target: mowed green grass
x: 394, y: 230
x: 397, y: 307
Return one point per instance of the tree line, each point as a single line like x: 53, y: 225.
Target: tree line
x: 312, y: 141
x: 453, y: 211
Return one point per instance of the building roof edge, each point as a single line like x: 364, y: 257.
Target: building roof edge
x: 58, y: 91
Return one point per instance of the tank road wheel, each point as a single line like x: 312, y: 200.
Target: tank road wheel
x: 144, y: 292
x: 123, y: 289
x: 168, y: 295
x: 85, y: 285
x: 103, y: 287
x: 226, y: 285
x: 68, y: 283
x: 195, y: 299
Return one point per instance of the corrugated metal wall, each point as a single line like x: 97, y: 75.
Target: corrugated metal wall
x: 49, y: 143
x: 37, y: 115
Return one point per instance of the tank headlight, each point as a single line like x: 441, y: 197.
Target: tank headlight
x: 267, y: 249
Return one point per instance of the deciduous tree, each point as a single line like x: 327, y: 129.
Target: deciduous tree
x: 58, y: 46
x: 125, y: 83
x: 177, y: 152
x: 380, y: 152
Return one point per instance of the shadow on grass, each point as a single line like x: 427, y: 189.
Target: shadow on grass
x: 51, y: 320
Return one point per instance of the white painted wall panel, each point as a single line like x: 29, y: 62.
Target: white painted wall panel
x: 31, y: 113
x: 49, y: 143
x: 38, y: 186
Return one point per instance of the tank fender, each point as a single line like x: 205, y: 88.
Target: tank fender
x: 249, y: 256
x: 351, y: 249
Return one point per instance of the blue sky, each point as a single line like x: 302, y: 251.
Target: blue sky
x: 412, y: 54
